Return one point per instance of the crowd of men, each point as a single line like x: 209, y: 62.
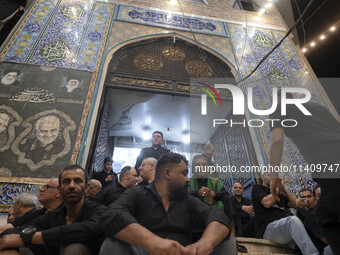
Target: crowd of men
x: 164, y: 213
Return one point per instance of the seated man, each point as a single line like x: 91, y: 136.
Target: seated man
x: 311, y: 223
x: 274, y: 221
x: 73, y: 228
x: 159, y: 218
x: 10, y: 216
x: 92, y: 188
x: 24, y: 203
x: 245, y: 210
x: 49, y: 197
x: 127, y: 179
x: 210, y: 190
x: 147, y: 171
x: 309, y: 200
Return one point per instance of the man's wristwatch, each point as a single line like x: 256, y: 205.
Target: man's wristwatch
x: 27, y: 234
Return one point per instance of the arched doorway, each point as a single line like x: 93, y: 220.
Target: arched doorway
x: 147, y: 88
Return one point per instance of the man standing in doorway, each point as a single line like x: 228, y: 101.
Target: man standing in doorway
x: 155, y: 151
x: 106, y: 177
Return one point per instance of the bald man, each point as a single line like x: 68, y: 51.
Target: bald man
x: 92, y: 188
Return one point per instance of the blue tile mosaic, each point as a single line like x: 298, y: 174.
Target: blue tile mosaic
x: 170, y: 20
x: 30, y: 33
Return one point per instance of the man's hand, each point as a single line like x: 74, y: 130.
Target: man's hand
x: 165, y: 247
x: 248, y: 209
x: 109, y: 177
x: 11, y: 241
x: 204, y: 192
x: 198, y: 248
x: 276, y: 188
x: 301, y: 203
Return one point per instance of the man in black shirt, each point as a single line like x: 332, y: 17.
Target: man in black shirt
x: 127, y: 179
x: 155, y: 151
x: 159, y: 218
x: 273, y: 221
x: 106, y: 177
x: 244, y: 209
x: 73, y: 228
x: 317, y: 137
x: 49, y: 197
x: 147, y: 170
x: 92, y: 188
x: 311, y: 223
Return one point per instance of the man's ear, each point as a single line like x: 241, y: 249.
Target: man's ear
x: 167, y: 172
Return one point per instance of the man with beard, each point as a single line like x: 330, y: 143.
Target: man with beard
x: 73, y: 228
x: 211, y: 190
x: 159, y: 218
x: 10, y: 77
x: 47, y: 141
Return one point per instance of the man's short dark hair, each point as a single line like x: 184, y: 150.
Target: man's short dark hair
x: 157, y: 132
x: 11, y: 70
x: 166, y: 159
x: 305, y: 189
x: 239, y: 183
x: 314, y: 190
x: 108, y: 159
x: 74, y: 167
x: 125, y: 170
x: 199, y: 157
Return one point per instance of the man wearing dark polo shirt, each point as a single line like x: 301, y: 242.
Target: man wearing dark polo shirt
x: 274, y: 221
x: 127, y: 179
x: 73, y: 228
x: 159, y: 218
x: 155, y: 151
x: 147, y: 171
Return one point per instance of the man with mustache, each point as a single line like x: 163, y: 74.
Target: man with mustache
x: 73, y: 228
x: 159, y: 218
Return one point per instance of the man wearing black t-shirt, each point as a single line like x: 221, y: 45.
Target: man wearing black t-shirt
x: 106, y: 177
x: 72, y: 228
x: 155, y: 151
x: 244, y: 209
x: 159, y: 218
x: 317, y: 137
x: 127, y: 179
x: 273, y: 221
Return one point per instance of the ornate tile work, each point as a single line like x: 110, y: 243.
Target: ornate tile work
x: 282, y: 68
x: 9, y: 191
x: 87, y: 57
x: 170, y: 20
x: 63, y: 34
x: 122, y: 31
x: 30, y: 30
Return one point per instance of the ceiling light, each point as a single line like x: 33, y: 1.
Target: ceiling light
x: 173, y: 2
x: 312, y: 44
x: 262, y: 11
x: 332, y: 28
x: 304, y: 50
x: 322, y: 37
x: 268, y: 5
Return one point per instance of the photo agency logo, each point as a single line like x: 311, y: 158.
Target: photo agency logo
x: 238, y: 104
